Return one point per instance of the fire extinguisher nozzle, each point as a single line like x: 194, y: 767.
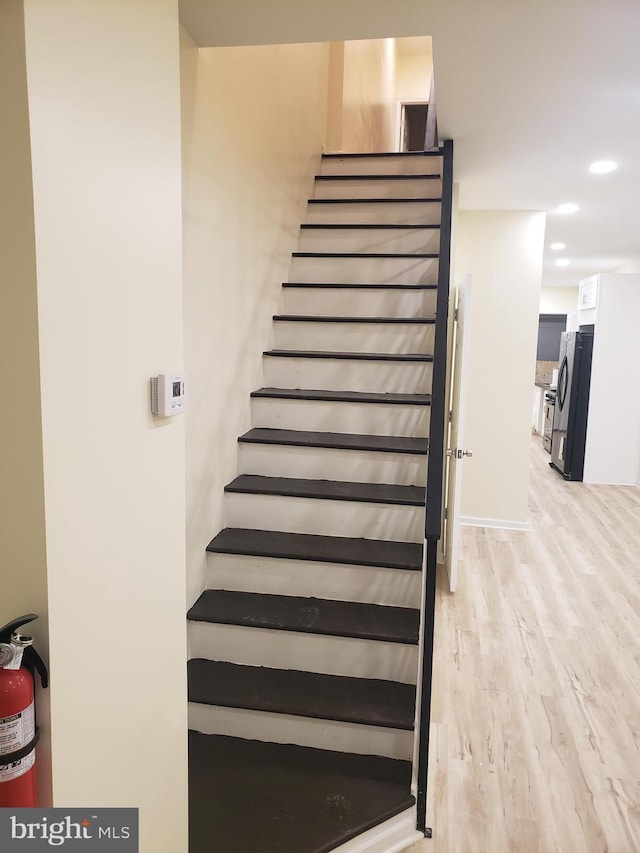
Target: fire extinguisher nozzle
x: 11, y: 627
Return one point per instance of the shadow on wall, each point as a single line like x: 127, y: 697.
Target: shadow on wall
x: 379, y: 76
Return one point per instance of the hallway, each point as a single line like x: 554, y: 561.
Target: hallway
x: 536, y: 711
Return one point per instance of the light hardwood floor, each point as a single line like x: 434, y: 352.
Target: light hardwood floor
x: 536, y: 709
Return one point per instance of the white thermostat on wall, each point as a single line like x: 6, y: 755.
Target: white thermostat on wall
x: 168, y: 394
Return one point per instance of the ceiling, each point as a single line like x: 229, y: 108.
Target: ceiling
x: 531, y: 93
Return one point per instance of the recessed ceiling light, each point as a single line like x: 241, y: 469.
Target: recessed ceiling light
x: 562, y: 262
x: 601, y: 167
x: 557, y: 246
x: 568, y: 207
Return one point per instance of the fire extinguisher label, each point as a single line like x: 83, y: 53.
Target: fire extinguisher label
x: 8, y: 772
x: 17, y: 731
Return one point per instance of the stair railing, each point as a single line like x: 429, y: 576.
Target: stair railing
x: 435, y: 472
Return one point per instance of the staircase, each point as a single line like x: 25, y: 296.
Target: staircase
x: 305, y: 645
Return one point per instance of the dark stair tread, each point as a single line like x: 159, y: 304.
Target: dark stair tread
x: 283, y: 798
x: 336, y: 440
x: 308, y: 615
x: 318, y: 394
x: 434, y: 177
x: 314, y: 548
x: 334, y: 286
x: 418, y: 255
x: 348, y: 356
x: 337, y: 490
x: 429, y: 200
x: 337, y: 155
x: 365, y: 701
x: 323, y: 318
x: 349, y: 226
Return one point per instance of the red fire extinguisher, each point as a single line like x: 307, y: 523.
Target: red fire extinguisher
x: 18, y: 731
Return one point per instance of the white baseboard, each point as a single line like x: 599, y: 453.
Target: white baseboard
x: 394, y: 835
x: 503, y: 524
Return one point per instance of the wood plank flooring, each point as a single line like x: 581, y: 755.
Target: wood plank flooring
x: 536, y: 710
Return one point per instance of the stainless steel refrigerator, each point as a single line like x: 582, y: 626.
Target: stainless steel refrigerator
x: 569, y: 433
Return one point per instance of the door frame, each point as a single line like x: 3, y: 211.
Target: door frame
x: 400, y: 117
x: 458, y: 365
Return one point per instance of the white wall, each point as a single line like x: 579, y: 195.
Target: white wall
x: 412, y: 83
x: 413, y: 77
x: 558, y: 300
x: 258, y: 130
x: 369, y: 96
x: 368, y: 80
x: 502, y: 251
x: 105, y: 134
x: 188, y: 86
x: 22, y: 530
x: 614, y: 396
x: 335, y: 96
x: 632, y: 266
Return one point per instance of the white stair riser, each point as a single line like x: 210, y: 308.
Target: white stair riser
x: 364, y: 270
x: 361, y: 302
x: 304, y: 731
x: 345, y: 375
x: 374, y: 213
x: 355, y: 337
x: 396, y: 835
x: 325, y: 517
x: 324, y: 463
x: 328, y: 416
x: 376, y: 188
x: 307, y: 578
x: 414, y: 164
x: 369, y: 240
x: 349, y: 656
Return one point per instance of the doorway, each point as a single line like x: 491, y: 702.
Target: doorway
x: 413, y: 125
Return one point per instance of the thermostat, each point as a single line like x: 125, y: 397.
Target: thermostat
x: 168, y: 395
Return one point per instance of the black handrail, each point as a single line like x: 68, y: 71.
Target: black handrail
x: 435, y: 471
x: 435, y: 466
x: 424, y: 722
